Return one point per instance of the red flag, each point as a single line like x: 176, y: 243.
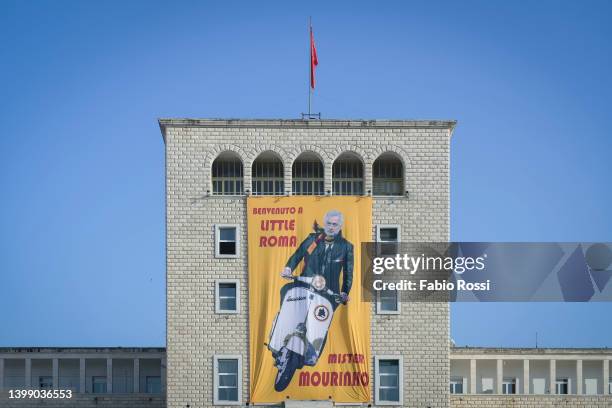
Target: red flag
x: 313, y: 59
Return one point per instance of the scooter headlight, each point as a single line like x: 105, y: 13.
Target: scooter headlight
x: 318, y: 282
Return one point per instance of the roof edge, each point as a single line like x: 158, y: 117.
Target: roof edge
x: 299, y: 123
x: 458, y: 350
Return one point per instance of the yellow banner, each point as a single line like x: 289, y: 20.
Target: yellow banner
x: 309, y: 329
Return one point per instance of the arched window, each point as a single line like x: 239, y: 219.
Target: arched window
x: 347, y: 175
x: 307, y: 175
x: 268, y: 175
x: 227, y: 174
x: 388, y: 175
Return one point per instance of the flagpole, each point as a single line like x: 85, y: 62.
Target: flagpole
x: 309, y: 63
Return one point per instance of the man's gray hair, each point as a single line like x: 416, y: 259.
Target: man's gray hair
x: 334, y: 213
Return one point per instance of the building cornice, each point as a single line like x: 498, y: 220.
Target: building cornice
x: 496, y: 351
x: 306, y: 124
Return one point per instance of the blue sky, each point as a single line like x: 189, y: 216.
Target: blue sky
x: 82, y: 160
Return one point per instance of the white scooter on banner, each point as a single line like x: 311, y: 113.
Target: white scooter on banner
x: 300, y: 328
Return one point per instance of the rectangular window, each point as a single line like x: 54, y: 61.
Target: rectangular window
x: 387, y: 302
x: 45, y: 383
x: 562, y: 386
x: 153, y: 384
x: 487, y: 385
x: 456, y: 385
x: 227, y: 295
x: 98, y: 385
x: 610, y: 386
x: 539, y: 386
x: 509, y: 386
x: 227, y: 380
x: 590, y: 386
x: 226, y: 241
x: 388, y: 238
x: 389, y: 380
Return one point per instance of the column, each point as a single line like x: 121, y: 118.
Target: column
x: 28, y: 373
x: 526, y: 379
x: 163, y: 375
x: 500, y: 376
x: 606, y: 377
x: 578, y: 377
x: 82, y: 387
x: 553, y: 377
x: 109, y: 375
x: 136, y: 375
x: 55, y: 374
x: 472, y: 376
x: 327, y: 175
x: 1, y: 374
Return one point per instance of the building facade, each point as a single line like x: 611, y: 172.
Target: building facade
x: 211, y: 168
x: 479, y: 377
x: 502, y: 377
x: 88, y: 377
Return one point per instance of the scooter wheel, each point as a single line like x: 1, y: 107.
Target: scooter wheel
x: 289, y: 362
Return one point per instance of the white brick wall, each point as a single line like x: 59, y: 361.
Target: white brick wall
x: 196, y: 333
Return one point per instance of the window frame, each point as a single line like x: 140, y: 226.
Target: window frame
x: 352, y: 181
x: 93, y: 384
x: 509, y: 381
x: 400, y: 383
x: 398, y: 227
x: 218, y: 309
x: 274, y: 180
x: 146, y: 390
x: 401, y: 180
x: 40, y: 382
x: 218, y: 228
x: 216, y: 358
x: 379, y: 308
x: 302, y: 181
x: 235, y: 180
x: 560, y: 381
x: 378, y: 300
x: 455, y: 381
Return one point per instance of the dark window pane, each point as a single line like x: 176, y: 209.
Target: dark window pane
x: 389, y: 394
x: 227, y: 248
x: 388, y: 300
x: 388, y: 381
x: 227, y: 304
x: 228, y: 366
x: 228, y: 380
x: 388, y: 366
x: 228, y: 394
x: 153, y: 385
x: 388, y: 234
